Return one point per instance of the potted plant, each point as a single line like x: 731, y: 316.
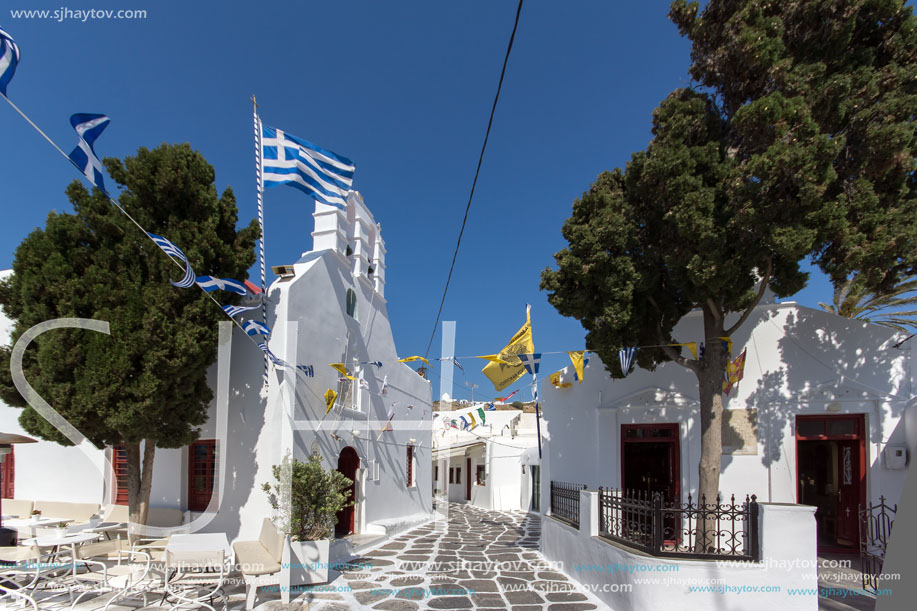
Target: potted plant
x: 60, y: 530
x: 35, y: 516
x: 306, y: 499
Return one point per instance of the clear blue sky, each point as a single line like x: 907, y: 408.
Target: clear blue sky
x: 402, y: 87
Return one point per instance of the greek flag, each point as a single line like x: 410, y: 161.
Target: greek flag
x: 88, y: 127
x: 210, y: 284
x: 253, y: 327
x: 288, y: 160
x: 274, y: 358
x: 531, y: 362
x: 626, y: 355
x: 232, y: 310
x: 174, y: 251
x: 9, y: 59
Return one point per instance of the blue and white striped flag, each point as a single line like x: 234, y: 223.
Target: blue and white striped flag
x: 232, y: 310
x: 174, y: 251
x: 210, y: 284
x: 253, y: 327
x: 288, y: 160
x: 274, y: 358
x: 88, y: 127
x: 9, y: 59
x: 531, y: 362
x: 626, y: 355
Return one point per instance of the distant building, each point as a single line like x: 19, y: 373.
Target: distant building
x: 493, y: 465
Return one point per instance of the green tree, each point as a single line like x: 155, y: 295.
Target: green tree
x: 852, y: 300
x: 799, y: 142
x: 145, y: 385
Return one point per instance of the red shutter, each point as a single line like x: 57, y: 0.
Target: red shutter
x: 410, y: 466
x: 202, y: 461
x: 119, y: 473
x: 9, y: 476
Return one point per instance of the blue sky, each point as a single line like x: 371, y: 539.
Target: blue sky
x: 404, y: 89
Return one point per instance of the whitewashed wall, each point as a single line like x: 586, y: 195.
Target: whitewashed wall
x: 799, y: 361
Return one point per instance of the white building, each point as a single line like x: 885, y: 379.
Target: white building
x: 494, y: 465
x: 823, y: 421
x: 327, y: 307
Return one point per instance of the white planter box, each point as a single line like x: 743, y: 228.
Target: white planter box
x: 305, y: 562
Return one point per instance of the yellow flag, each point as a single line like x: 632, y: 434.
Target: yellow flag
x: 408, y: 359
x: 330, y: 396
x: 504, y: 374
x: 473, y: 423
x: 493, y: 358
x: 577, y: 359
x: 342, y: 370
x: 692, y: 346
x: 555, y: 380
x: 728, y: 341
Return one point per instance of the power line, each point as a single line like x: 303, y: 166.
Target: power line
x: 476, y: 172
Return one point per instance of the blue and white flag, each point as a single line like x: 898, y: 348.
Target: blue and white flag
x: 376, y: 363
x: 88, y: 127
x: 253, y: 327
x: 9, y: 59
x: 626, y: 355
x: 210, y: 284
x: 531, y: 362
x: 288, y: 160
x: 274, y: 358
x: 491, y: 407
x: 232, y: 310
x: 174, y: 251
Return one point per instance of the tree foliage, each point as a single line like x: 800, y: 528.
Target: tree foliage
x: 307, y: 497
x: 852, y: 300
x: 147, y: 380
x: 798, y: 141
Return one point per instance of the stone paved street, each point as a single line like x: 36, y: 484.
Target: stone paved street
x: 475, y: 559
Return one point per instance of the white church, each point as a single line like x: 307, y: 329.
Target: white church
x: 327, y: 307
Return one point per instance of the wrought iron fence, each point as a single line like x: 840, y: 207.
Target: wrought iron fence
x: 875, y: 527
x: 565, y: 502
x: 650, y: 523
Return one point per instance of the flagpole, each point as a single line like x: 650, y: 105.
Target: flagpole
x: 259, y: 196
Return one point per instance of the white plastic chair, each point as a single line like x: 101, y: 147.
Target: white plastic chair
x: 195, y: 576
x: 129, y: 572
x: 23, y: 568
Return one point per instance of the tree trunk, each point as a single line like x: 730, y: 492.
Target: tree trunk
x: 710, y: 384
x: 139, y: 479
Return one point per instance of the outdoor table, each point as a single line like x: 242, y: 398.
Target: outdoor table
x: 33, y: 524
x: 72, y: 540
x: 105, y: 528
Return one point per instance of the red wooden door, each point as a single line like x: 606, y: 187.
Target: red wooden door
x: 848, y: 491
x: 348, y: 463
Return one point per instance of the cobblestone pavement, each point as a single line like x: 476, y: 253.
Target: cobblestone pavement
x: 475, y: 559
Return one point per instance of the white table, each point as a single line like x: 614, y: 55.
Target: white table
x: 72, y: 540
x: 33, y: 524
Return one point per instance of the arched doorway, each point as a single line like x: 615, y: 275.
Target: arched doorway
x: 348, y: 463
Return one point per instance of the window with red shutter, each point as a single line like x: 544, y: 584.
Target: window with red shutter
x: 202, y: 461
x: 410, y: 479
x: 119, y: 474
x: 8, y: 474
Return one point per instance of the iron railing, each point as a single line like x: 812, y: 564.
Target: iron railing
x: 648, y: 522
x: 565, y: 502
x: 875, y: 527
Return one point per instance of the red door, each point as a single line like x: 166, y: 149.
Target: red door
x: 848, y: 493
x: 348, y: 463
x: 468, y: 479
